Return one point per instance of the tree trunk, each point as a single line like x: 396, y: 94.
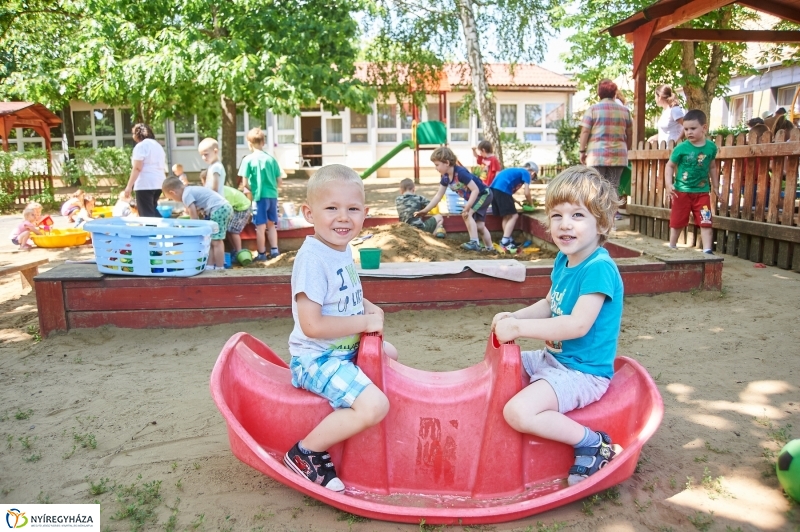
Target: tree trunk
x: 227, y: 151
x: 480, y: 86
x: 700, y: 97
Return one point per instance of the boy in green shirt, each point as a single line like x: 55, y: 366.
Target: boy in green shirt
x: 694, y: 160
x: 264, y: 176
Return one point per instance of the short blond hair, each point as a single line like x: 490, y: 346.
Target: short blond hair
x: 172, y: 184
x: 444, y: 155
x: 407, y: 184
x: 584, y: 185
x: 207, y: 143
x: 255, y: 136
x: 28, y: 210
x: 177, y: 168
x: 330, y: 174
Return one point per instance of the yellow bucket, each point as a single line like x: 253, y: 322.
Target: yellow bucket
x: 102, y: 212
x: 61, y: 238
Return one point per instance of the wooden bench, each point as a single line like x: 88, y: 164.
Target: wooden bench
x: 27, y: 270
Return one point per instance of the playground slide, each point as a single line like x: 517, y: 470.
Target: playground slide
x: 435, y: 456
x: 383, y: 160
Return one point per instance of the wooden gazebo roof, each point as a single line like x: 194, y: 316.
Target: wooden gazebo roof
x: 652, y: 28
x: 27, y: 114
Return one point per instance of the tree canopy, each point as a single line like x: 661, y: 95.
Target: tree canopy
x: 701, y: 70
x: 200, y: 57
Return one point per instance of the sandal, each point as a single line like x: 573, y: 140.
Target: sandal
x: 601, y: 455
x: 441, y: 233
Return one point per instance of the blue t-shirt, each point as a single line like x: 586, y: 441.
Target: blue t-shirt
x: 461, y: 178
x: 510, y: 179
x: 593, y: 353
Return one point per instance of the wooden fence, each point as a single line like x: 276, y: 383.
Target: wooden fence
x: 24, y: 189
x: 756, y: 211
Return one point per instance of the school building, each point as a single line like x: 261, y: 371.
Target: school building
x: 529, y: 101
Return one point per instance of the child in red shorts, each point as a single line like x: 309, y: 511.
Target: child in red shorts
x: 696, y: 173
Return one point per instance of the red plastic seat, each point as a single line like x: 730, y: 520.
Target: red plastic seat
x: 444, y: 453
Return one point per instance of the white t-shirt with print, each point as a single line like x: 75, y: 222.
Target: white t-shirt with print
x: 329, y: 278
x: 154, y: 165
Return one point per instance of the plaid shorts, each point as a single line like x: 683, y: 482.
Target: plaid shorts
x: 331, y: 376
x: 239, y: 220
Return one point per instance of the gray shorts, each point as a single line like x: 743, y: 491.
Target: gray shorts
x: 574, y: 389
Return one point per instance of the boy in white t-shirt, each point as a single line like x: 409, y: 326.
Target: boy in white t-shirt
x: 215, y: 178
x: 214, y: 205
x: 330, y: 314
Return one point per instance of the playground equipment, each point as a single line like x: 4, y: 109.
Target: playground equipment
x: 422, y: 134
x: 444, y: 453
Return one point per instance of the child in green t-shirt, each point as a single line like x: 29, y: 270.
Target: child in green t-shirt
x: 694, y: 161
x: 264, y: 177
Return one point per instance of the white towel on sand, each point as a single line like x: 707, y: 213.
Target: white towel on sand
x: 502, y: 268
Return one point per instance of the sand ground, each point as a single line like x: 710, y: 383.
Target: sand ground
x: 124, y: 417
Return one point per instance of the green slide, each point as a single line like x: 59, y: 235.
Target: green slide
x: 383, y: 160
x: 431, y: 132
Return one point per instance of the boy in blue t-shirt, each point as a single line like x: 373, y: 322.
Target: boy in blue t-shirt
x: 503, y: 187
x: 469, y: 187
x: 579, y: 321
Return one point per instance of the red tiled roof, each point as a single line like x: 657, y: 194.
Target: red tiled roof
x: 504, y: 75
x: 521, y: 76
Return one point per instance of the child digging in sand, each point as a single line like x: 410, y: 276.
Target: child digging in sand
x: 407, y: 203
x: 330, y: 313
x: 579, y: 321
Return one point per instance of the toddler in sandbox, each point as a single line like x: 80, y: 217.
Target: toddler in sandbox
x: 215, y: 206
x: 330, y: 314
x: 21, y: 235
x: 408, y: 203
x: 579, y: 321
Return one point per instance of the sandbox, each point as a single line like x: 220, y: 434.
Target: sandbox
x: 73, y: 296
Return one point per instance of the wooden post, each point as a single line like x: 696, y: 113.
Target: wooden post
x: 639, y: 103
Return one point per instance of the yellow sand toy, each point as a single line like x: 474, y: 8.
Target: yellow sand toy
x: 61, y: 238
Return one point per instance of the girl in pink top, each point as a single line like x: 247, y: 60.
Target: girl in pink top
x: 22, y: 234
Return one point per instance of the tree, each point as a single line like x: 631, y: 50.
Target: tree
x: 205, y: 58
x: 701, y: 70
x: 434, y: 30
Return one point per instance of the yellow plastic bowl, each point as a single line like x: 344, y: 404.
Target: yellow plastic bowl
x: 61, y: 238
x: 102, y: 212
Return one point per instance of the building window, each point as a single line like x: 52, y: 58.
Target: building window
x: 333, y: 130
x: 285, y: 127
x: 406, y: 119
x: 387, y: 120
x: 359, y: 133
x: 185, y: 131
x: 741, y: 109
x: 553, y: 113
x: 459, y: 123
x: 127, y: 127
x: 508, y: 115
x: 95, y: 128
x: 254, y: 121
x: 786, y: 97
x: 533, y: 123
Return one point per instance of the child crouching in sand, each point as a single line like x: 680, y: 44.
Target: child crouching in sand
x: 579, y: 321
x: 330, y: 314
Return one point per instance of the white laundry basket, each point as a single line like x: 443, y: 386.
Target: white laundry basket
x: 155, y: 247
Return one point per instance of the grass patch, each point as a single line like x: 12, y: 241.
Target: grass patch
x: 85, y: 440
x: 350, y: 518
x: 35, y: 457
x: 23, y: 414
x: 782, y: 435
x: 172, y: 521
x: 716, y: 450
x: 43, y: 498
x: 642, y: 507
x: 138, y: 503
x: 703, y: 458
x: 611, y: 495
x: 26, y: 441
x: 99, y: 488
x: 33, y: 331
x: 701, y: 521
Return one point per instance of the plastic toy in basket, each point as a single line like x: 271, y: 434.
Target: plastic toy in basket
x: 151, y: 246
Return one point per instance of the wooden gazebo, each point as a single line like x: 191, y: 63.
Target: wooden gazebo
x: 651, y: 29
x: 39, y: 118
x: 756, y: 211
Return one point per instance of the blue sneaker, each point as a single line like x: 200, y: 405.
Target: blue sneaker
x: 274, y: 254
x: 261, y: 257
x: 471, y: 246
